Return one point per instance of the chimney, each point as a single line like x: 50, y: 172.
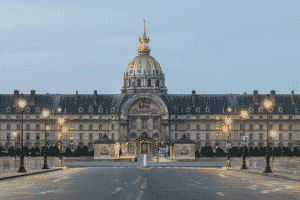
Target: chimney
x: 193, y: 97
x: 76, y: 95
x: 272, y: 95
x: 255, y: 97
x: 16, y: 96
x: 293, y: 97
x: 32, y: 97
x: 95, y: 97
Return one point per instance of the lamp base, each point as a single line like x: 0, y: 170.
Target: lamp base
x: 244, y: 166
x: 228, y: 164
x: 22, y: 169
x: 268, y: 170
x: 45, y: 166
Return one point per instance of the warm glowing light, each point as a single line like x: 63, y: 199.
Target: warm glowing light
x: 229, y: 109
x: 65, y: 129
x: 273, y: 133
x: 244, y: 114
x: 225, y: 129
x: 47, y: 128
x: 228, y: 120
x: 61, y: 120
x: 22, y: 103
x: 268, y: 103
x: 46, y: 113
x: 59, y: 109
x: 14, y: 133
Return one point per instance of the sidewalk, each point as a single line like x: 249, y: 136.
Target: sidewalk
x: 291, y: 177
x: 15, y: 173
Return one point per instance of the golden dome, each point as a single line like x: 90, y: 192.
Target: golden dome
x: 144, y: 65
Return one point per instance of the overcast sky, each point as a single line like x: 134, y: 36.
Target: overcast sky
x: 215, y: 46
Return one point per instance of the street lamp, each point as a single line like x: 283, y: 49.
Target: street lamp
x: 228, y: 121
x: 273, y: 134
x: 61, y: 121
x: 268, y: 104
x: 244, y: 115
x: 45, y: 166
x: 22, y: 104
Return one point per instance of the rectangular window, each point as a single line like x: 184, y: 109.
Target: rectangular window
x: 189, y: 136
x: 37, y: 136
x: 8, y: 117
x: 280, y: 127
x: 198, y: 127
x: 28, y: 117
x: 290, y: 136
x: 251, y: 127
x: 176, y: 136
x: 8, y: 127
x: 270, y: 117
x: 91, y: 136
x: 198, y: 117
x: 27, y: 136
x: 18, y: 117
x: 90, y: 127
x: 280, y: 117
x: 100, y: 127
x: 37, y: 118
x: 90, y: 117
x: 198, y: 136
x: 251, y: 136
x: 144, y: 124
x: 207, y: 136
x: 251, y: 117
x: 207, y: 117
x: 188, y: 117
x: 241, y: 127
x: 80, y: 117
x: 112, y: 136
x: 80, y: 136
x: 176, y: 127
x: 280, y: 136
x: 112, y: 127
x: 260, y: 136
x: 260, y: 127
x: 8, y: 136
x: 261, y: 117
x: 155, y: 124
x: 100, y: 117
x: 18, y: 127
x: 270, y: 127
x: 207, y: 127
x: 290, y: 117
x: 187, y: 127
x: 81, y: 127
x: 290, y: 127
x: 100, y: 136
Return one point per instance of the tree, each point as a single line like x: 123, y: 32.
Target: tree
x: 68, y: 152
x: 197, y: 154
x: 296, y: 152
x: 256, y: 152
x: 251, y: 153
x: 25, y: 151
x: 207, y: 151
x: 11, y: 151
x: 77, y: 152
x: 262, y: 152
x: 56, y: 151
x: 286, y: 151
x: 277, y: 151
x: 85, y: 151
x: 92, y: 153
x: 37, y: 151
x: 220, y: 152
x: 234, y: 152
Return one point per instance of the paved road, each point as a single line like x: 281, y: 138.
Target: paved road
x: 149, y: 183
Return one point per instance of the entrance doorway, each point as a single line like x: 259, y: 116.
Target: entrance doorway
x: 144, y: 148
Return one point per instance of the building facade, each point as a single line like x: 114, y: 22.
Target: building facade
x: 144, y: 109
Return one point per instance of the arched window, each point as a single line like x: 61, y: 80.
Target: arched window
x: 90, y: 127
x: 280, y: 127
x: 198, y: 136
x: 8, y: 127
x: 176, y: 136
x: 81, y: 127
x: 100, y: 127
x: 260, y: 127
x: 112, y: 136
x: 189, y: 136
x: 290, y: 127
x: 157, y: 83
x: 80, y: 136
x: 27, y: 127
x: 207, y: 136
x: 188, y: 127
x: 139, y: 82
x: 251, y: 136
x: 198, y: 127
x: 37, y: 136
x: 260, y: 136
x: 37, y: 127
x: 100, y: 136
x: 207, y: 127
x: 18, y: 126
x: 91, y: 136
x: 149, y: 83
x: 112, y: 127
x: 129, y: 83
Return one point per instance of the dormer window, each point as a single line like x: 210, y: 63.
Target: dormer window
x: 271, y: 110
x: 260, y: 110
x: 100, y: 110
x: 251, y: 110
x: 188, y: 109
x: 37, y: 110
x: 91, y: 109
x: 113, y: 109
x: 172, y: 116
x: 80, y: 117
x: 8, y: 109
x: 80, y: 110
x: 198, y: 109
x: 207, y: 109
x: 280, y: 109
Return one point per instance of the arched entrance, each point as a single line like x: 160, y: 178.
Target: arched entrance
x: 144, y: 148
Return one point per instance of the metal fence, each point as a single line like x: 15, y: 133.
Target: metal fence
x: 12, y: 164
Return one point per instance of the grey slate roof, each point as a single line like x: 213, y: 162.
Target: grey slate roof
x: 176, y: 103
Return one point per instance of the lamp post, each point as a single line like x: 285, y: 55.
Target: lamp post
x: 268, y: 104
x: 61, y: 122
x: 22, y: 104
x: 228, y: 121
x: 244, y: 115
x: 15, y: 136
x: 273, y: 134
x: 45, y: 166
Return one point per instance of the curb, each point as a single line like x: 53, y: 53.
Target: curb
x: 28, y: 174
x: 270, y: 175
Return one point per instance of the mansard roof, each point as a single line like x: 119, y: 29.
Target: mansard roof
x: 176, y: 103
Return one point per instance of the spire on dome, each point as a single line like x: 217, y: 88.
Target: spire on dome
x: 144, y: 48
